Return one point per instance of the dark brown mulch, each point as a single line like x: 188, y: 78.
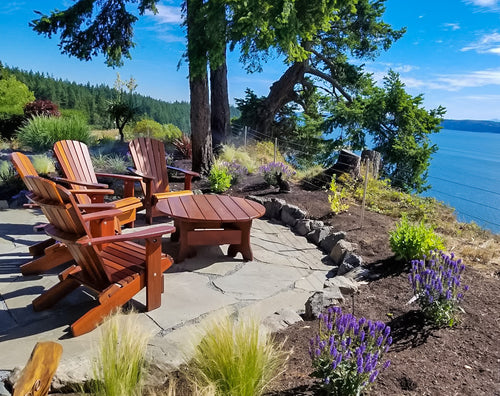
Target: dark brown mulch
x: 463, y: 360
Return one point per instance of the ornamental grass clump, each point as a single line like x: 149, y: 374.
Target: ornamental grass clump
x: 237, y: 358
x: 437, y: 285
x: 271, y: 171
x: 347, y: 353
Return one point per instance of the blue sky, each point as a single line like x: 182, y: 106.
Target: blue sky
x: 450, y: 54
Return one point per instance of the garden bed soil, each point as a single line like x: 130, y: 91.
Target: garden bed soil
x: 463, y: 360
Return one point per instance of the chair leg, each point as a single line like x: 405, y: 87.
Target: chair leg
x: 96, y: 315
x: 54, y: 294
x: 55, y: 255
x: 38, y: 248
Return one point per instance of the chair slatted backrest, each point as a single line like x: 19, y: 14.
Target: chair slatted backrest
x: 150, y: 159
x: 74, y: 158
x: 68, y: 226
x: 23, y: 165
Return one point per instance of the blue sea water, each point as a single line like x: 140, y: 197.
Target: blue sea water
x: 465, y: 174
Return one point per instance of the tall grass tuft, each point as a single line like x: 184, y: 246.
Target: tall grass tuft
x: 43, y: 164
x: 40, y: 133
x: 237, y: 358
x: 120, y: 364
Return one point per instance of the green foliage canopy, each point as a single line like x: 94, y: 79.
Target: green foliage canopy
x: 399, y: 126
x: 14, y: 95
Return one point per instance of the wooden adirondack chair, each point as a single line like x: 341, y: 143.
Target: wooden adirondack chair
x: 114, y: 267
x: 74, y: 160
x: 150, y: 164
x: 50, y: 254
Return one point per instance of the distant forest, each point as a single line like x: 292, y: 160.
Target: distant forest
x: 93, y: 100
x: 472, y: 125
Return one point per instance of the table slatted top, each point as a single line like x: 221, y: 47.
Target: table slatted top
x: 217, y: 208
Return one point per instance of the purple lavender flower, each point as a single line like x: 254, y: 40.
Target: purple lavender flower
x: 373, y: 376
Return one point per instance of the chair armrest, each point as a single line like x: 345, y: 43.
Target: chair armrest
x: 188, y: 175
x: 93, y: 207
x: 140, y: 174
x: 102, y: 214
x: 121, y: 177
x: 79, y: 183
x: 185, y: 171
x: 93, y: 191
x: 141, y: 234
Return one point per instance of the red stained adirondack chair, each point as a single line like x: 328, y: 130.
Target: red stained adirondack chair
x: 151, y: 164
x: 74, y: 160
x: 113, y: 267
x: 50, y: 254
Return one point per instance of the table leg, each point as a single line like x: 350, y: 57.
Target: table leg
x: 244, y: 246
x: 174, y: 236
x: 184, y: 249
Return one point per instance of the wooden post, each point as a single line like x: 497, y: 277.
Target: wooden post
x: 275, y: 148
x: 36, y: 376
x: 367, y: 166
x: 245, y: 129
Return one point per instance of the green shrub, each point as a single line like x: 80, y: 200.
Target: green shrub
x: 219, y: 178
x: 40, y: 133
x: 337, y: 197
x: 237, y: 358
x: 413, y: 241
x: 119, y: 366
x: 170, y: 132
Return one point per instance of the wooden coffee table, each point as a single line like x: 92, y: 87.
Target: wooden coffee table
x: 212, y: 220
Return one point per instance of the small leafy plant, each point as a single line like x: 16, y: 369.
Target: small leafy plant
x: 219, y: 178
x: 436, y: 282
x: 347, y: 353
x: 184, y: 146
x: 337, y: 197
x: 411, y: 241
x: 271, y: 170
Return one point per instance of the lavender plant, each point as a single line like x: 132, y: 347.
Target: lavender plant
x: 235, y: 170
x: 272, y: 169
x: 347, y: 353
x: 436, y: 282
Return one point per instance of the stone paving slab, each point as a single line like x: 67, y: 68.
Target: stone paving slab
x: 285, y: 270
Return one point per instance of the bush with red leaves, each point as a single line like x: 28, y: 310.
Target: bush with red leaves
x: 41, y: 107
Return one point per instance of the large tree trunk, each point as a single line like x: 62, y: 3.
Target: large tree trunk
x: 281, y: 93
x: 219, y: 101
x: 200, y: 125
x: 198, y: 84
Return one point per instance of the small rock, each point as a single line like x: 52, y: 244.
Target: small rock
x: 340, y: 250
x: 350, y: 262
x: 317, y: 224
x: 346, y: 285
x: 281, y: 319
x: 273, y: 208
x: 331, y: 240
x: 321, y: 299
x: 290, y: 214
x: 318, y: 235
x: 302, y: 227
x: 359, y: 274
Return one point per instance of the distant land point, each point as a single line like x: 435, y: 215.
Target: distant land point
x: 472, y: 125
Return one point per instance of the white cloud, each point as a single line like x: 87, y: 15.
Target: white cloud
x: 488, y: 43
x: 11, y: 7
x: 451, y: 26
x: 168, y: 15
x: 478, y: 78
x: 484, y: 3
